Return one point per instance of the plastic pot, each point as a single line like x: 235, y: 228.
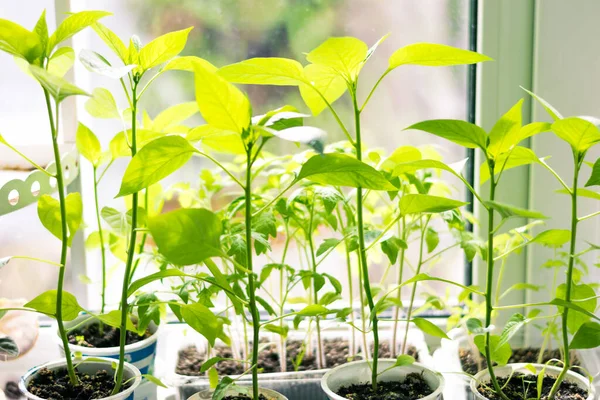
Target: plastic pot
x: 360, y: 372
x: 268, y: 393
x: 484, y: 376
x: 141, y: 354
x: 88, y: 367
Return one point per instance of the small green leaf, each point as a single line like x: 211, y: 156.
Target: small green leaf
x: 173, y: 116
x: 404, y: 360
x: 499, y: 354
x: 206, y: 365
x: 432, y: 239
x: 279, y: 330
x: 595, y: 176
x: 429, y: 328
x: 8, y: 347
x: 265, y: 71
x: 578, y: 132
x: 61, y: 61
x: 508, y: 211
x: 553, y: 237
x: 475, y: 326
x: 102, y: 104
x: 323, y: 81
x: 113, y: 318
x: 163, y: 48
x: 434, y: 55
x: 58, y: 88
x: 222, y: 388
x: 88, y: 145
x: 391, y: 248
x: 313, y: 311
x: 94, y: 62
x: 45, y: 303
x: 547, y: 106
x: 516, y: 322
x: 587, y: 336
x: 219, y: 140
x: 18, y: 41
x: 460, y: 132
x: 213, y: 378
x: 506, y: 132
x: 50, y: 215
x: 202, y: 320
x: 344, y: 55
x: 189, y: 64
x: 73, y: 24
x: 424, y: 203
x: 266, y: 305
x: 326, y: 245
x: 517, y: 157
x: 342, y: 170
x: 154, y: 380
x: 155, y: 161
x: 578, y: 292
x: 112, y: 41
x: 119, y: 144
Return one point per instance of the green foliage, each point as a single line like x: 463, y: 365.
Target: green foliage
x: 344, y: 55
x: 202, y: 320
x: 57, y: 87
x: 404, y: 360
x: 73, y: 24
x: 50, y: 215
x: 88, y: 145
x: 94, y: 62
x: 265, y: 71
x: 576, y: 318
x: 499, y: 353
x: 595, y: 176
x: 163, y: 48
x: 429, y: 328
x: 587, y: 336
x: 434, y: 55
x: 423, y: 203
x: 507, y: 211
x: 460, y: 132
x: 579, y: 133
x: 112, y: 41
x: 45, y: 303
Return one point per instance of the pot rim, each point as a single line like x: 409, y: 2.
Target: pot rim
x: 267, y: 392
x: 98, y: 360
x: 520, y: 367
x: 331, y: 394
x: 100, y: 351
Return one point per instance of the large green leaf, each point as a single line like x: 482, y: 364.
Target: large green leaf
x: 519, y: 156
x: 434, y: 55
x: 221, y: 104
x: 155, y: 161
x: 345, y: 55
x: 578, y: 292
x: 587, y: 337
x: 58, y: 88
x: 119, y: 146
x: 265, y: 71
x: 88, y: 144
x: 189, y: 64
x: 342, y: 170
x: 102, y: 104
x: 187, y: 236
x: 112, y: 40
x: 45, y: 303
x: 73, y: 24
x: 50, y: 216
x: 174, y: 115
x: 323, y: 81
x: 506, y: 132
x: 553, y: 237
x: 61, y: 61
x: 500, y: 354
x: 508, y: 211
x: 219, y: 140
x: 578, y: 132
x: 18, y: 41
x: 424, y: 203
x: 163, y: 48
x: 429, y: 328
x: 595, y: 176
x: 457, y: 131
x: 202, y: 320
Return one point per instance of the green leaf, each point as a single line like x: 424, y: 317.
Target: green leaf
x: 508, y: 211
x: 313, y: 311
x: 373, y: 48
x: 553, y: 237
x: 463, y: 133
x: 189, y: 64
x: 391, y: 248
x: 429, y: 328
x: 279, y: 330
x: 45, y: 303
x: 342, y: 170
x: 113, y: 318
x: 174, y: 115
x: 112, y: 41
x: 94, y: 62
x: 213, y: 378
x: 499, y: 354
x: 121, y: 222
x: 432, y: 239
x: 88, y: 145
x: 154, y: 380
x: 265, y: 223
x: 222, y: 105
x: 424, y: 203
x: 8, y: 347
x: 517, y: 157
x: 206, y: 365
x: 265, y: 71
x: 516, y: 322
x: 102, y: 104
x: 222, y: 388
x: 577, y: 318
x: 404, y: 360
x: 265, y: 304
x: 202, y: 320
x: 163, y: 48
x: 219, y: 140
x: 344, y: 55
x: 119, y: 144
x: 506, y: 132
x: 187, y: 236
x: 402, y: 154
x: 61, y: 61
x: 50, y: 216
x: 41, y: 30
x: 18, y: 41
x: 56, y: 86
x: 578, y: 132
x: 323, y: 81
x: 434, y: 55
x: 547, y: 106
x: 155, y: 161
x: 595, y: 176
x: 587, y: 336
x: 475, y: 326
x: 73, y: 24
x: 326, y: 245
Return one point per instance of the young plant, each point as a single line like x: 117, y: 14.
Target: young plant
x: 334, y: 68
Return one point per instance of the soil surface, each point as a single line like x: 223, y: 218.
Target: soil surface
x: 244, y: 397
x: 89, y: 336
x: 413, y: 387
x: 55, y: 385
x: 524, y: 387
x: 337, y: 352
x: 523, y: 355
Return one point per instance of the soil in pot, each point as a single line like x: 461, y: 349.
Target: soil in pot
x: 524, y: 387
x: 55, y: 384
x: 244, y: 397
x: 90, y: 336
x: 412, y: 387
x: 470, y: 365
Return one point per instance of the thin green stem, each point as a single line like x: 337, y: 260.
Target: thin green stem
x: 36, y: 259
x: 404, y: 236
x: 334, y: 113
x: 101, y: 235
x: 104, y: 172
x: 592, y: 215
x: 218, y: 164
x: 373, y: 89
x: 29, y: 160
x: 350, y: 289
x: 282, y: 270
x: 144, y: 89
x: 270, y: 203
x: 311, y: 246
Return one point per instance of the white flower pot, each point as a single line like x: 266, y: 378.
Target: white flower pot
x: 360, y: 372
x: 268, y: 393
x: 141, y: 354
x: 87, y: 367
x: 484, y: 376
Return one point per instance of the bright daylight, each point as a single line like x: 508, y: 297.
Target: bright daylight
x: 299, y: 200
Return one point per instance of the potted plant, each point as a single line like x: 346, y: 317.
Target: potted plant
x: 334, y: 68
x: 37, y: 51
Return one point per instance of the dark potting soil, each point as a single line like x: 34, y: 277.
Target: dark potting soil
x: 55, y: 385
x: 90, y: 336
x: 411, y: 388
x: 523, y: 355
x: 524, y: 387
x: 244, y: 397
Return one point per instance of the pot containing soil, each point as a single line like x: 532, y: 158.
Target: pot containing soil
x: 519, y: 383
x: 96, y: 381
x: 88, y: 340
x: 353, y: 380
x: 240, y: 393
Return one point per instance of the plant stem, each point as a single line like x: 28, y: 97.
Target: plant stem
x: 399, y: 295
x: 102, y: 249
x: 130, y: 251
x: 569, y: 281
x: 309, y: 238
x: 350, y: 289
x: 60, y: 186
x: 282, y: 295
